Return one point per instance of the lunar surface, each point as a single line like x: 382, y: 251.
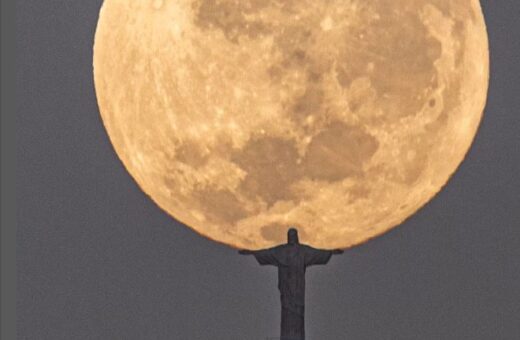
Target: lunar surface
x: 241, y: 118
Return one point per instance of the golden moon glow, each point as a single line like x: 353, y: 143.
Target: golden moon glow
x: 243, y: 117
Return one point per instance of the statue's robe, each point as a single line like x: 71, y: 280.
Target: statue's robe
x: 292, y: 260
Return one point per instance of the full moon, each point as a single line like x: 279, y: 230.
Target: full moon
x: 241, y: 118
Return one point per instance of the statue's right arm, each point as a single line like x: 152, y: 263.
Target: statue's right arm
x: 245, y: 252
x: 263, y: 256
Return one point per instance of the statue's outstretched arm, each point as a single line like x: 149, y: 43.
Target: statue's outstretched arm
x: 246, y: 252
x: 263, y: 256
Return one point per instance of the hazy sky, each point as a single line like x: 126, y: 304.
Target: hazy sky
x: 98, y: 260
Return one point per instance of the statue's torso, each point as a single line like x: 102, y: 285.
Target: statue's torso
x: 291, y: 274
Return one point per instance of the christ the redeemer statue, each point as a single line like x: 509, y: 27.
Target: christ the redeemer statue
x: 292, y: 259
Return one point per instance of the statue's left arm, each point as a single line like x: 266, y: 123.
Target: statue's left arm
x: 315, y: 256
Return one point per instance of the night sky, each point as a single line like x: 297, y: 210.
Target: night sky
x: 97, y: 259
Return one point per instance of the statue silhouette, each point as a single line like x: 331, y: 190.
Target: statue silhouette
x: 292, y: 259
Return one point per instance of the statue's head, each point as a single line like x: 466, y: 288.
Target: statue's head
x: 292, y: 236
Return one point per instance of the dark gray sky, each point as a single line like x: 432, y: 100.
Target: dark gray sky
x: 98, y: 260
